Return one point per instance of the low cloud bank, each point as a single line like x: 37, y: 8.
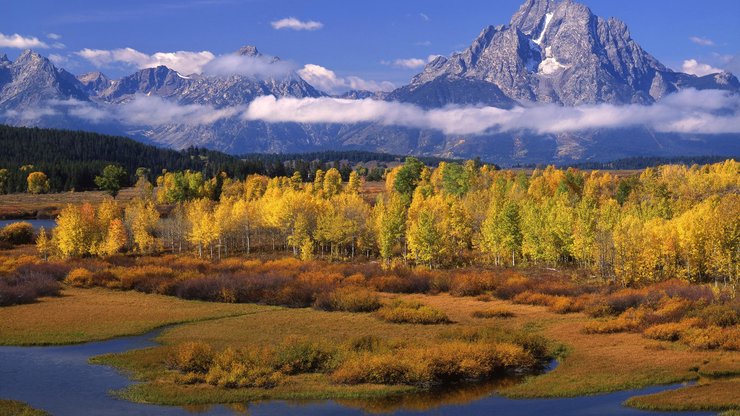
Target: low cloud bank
x: 689, y: 111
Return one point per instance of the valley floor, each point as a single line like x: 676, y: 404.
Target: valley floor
x: 589, y: 363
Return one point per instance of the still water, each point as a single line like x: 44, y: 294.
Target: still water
x: 59, y: 380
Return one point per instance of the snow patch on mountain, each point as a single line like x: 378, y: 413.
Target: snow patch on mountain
x: 539, y: 40
x: 550, y: 64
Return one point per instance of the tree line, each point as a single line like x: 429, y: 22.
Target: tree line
x: 72, y: 159
x: 668, y: 221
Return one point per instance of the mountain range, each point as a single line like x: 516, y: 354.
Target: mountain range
x: 553, y: 52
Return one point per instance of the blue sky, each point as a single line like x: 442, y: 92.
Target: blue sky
x: 363, y: 39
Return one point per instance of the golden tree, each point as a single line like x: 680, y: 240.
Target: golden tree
x: 38, y: 183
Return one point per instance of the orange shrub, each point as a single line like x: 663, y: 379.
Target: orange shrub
x: 348, y: 299
x: 630, y: 320
x: 80, y: 278
x: 147, y: 278
x: 665, y: 332
x: 470, y: 284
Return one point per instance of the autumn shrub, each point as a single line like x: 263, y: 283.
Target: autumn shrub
x: 630, y: 320
x: 411, y: 312
x: 206, y: 288
x: 493, y: 313
x: 376, y: 369
x: 723, y: 315
x: 190, y: 263
x: 616, y: 303
x: 297, y: 355
x: 709, y: 338
x: 470, y: 284
x: 533, y: 298
x: 192, y: 357
x: 53, y: 270
x: 512, y: 286
x: 670, y: 310
x: 18, y: 289
x: 676, y: 288
x: 407, y: 283
x: 250, y: 367
x: 434, y: 365
x: 146, y: 278
x: 18, y: 233
x: 665, y: 332
x: 564, y: 304
x: 356, y: 279
x: 348, y: 299
x: 80, y: 277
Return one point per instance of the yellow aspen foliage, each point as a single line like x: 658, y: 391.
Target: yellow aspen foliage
x: 44, y: 244
x: 332, y: 183
x: 355, y: 183
x: 204, y: 231
x: 69, y: 234
x: 142, y: 219
x: 116, y: 238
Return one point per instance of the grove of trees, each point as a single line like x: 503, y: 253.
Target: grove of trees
x: 666, y: 222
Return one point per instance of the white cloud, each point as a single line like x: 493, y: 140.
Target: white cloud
x: 701, y: 41
x: 20, y: 42
x: 692, y: 66
x: 185, y: 62
x: 142, y: 110
x: 327, y: 80
x: 424, y: 17
x: 252, y: 66
x: 410, y: 63
x: 54, y: 36
x: 295, y: 24
x: 423, y: 43
x: 689, y: 111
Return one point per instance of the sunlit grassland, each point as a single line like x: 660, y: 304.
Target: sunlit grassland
x: 82, y: 315
x: 719, y: 394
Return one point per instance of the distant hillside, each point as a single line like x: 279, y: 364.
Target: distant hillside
x: 72, y: 159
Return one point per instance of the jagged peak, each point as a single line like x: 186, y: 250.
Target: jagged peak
x: 4, y: 58
x: 28, y: 55
x: 531, y: 15
x: 89, y: 76
x: 248, y: 50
